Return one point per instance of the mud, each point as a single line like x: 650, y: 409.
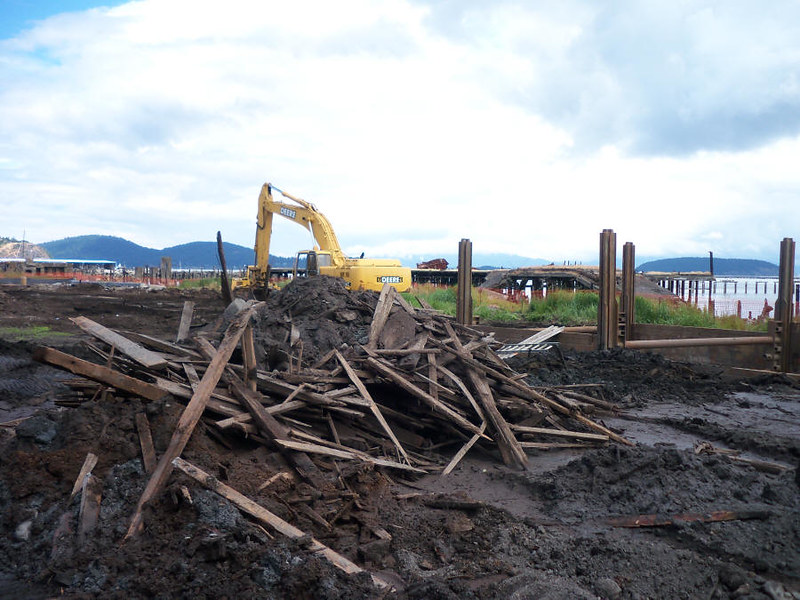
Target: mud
x: 539, y: 533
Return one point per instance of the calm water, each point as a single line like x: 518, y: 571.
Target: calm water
x: 728, y: 292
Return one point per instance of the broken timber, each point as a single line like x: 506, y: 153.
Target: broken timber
x: 656, y: 520
x: 146, y: 442
x: 98, y: 373
x: 186, y: 321
x: 191, y: 415
x: 145, y: 357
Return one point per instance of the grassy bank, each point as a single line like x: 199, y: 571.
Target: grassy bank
x: 558, y: 308
x: 208, y: 283
x: 575, y: 309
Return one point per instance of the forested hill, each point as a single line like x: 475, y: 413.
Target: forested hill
x: 194, y: 255
x: 723, y: 267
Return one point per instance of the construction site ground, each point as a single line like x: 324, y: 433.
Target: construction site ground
x: 484, y: 531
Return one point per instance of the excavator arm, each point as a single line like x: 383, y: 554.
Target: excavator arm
x: 304, y: 214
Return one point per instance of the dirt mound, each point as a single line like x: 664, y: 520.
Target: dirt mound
x: 14, y: 249
x: 318, y: 315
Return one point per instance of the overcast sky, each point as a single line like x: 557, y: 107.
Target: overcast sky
x: 527, y: 127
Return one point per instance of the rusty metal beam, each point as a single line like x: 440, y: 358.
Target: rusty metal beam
x: 782, y: 350
x: 464, y: 293
x: 685, y: 342
x: 607, y: 307
x: 627, y: 316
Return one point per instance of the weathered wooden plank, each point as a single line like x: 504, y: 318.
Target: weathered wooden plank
x: 346, y: 454
x: 160, y: 345
x: 405, y: 351
x: 461, y: 453
x: 146, y: 442
x: 605, y: 430
x: 511, y: 451
x: 246, y: 417
x: 433, y: 383
x: 270, y: 519
x: 181, y: 390
x: 191, y: 375
x: 89, y: 463
x: 597, y: 437
x: 99, y: 373
x: 464, y: 390
x: 382, y: 310
x: 397, y: 297
x: 554, y: 445
x: 424, y: 303
x: 89, y: 512
x: 249, y: 358
x: 186, y: 321
x: 191, y: 415
x: 714, y: 516
x: 146, y: 358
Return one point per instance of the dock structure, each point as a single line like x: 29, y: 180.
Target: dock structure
x: 537, y: 278
x: 679, y: 282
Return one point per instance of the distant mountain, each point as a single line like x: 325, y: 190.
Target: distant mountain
x: 103, y: 247
x: 723, y: 267
x: 195, y: 255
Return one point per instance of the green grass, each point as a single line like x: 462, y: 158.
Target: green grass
x: 30, y: 333
x: 210, y: 283
x: 564, y: 308
x: 672, y: 313
x: 669, y: 312
x: 575, y: 309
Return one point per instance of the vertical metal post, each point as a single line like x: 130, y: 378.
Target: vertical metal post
x: 607, y: 306
x: 782, y: 350
x: 627, y: 316
x: 464, y: 296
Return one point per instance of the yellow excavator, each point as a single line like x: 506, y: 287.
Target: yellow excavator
x: 326, y: 258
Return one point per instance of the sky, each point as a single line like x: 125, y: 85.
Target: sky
x: 527, y: 127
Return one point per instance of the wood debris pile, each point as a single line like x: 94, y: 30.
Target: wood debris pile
x: 418, y: 394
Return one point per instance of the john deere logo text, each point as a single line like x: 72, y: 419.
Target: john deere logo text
x: 288, y: 212
x: 390, y: 279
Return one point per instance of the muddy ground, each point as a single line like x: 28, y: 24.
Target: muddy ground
x: 484, y: 531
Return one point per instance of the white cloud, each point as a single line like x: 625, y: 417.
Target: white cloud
x: 409, y: 124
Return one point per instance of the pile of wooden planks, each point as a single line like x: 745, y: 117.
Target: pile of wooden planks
x: 415, y: 398
x: 419, y: 385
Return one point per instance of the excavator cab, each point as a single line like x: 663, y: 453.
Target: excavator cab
x: 314, y: 259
